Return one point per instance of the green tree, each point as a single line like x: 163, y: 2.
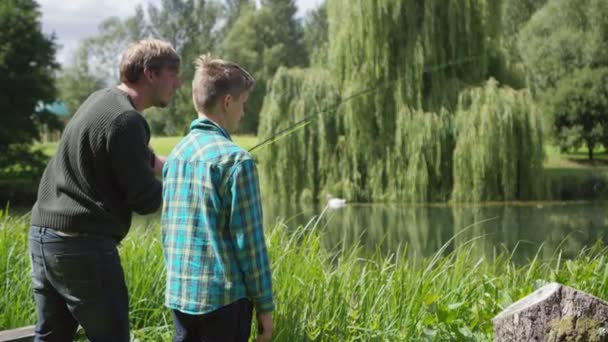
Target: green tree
x: 409, y: 60
x: 561, y: 39
x: 103, y: 51
x: 564, y: 36
x: 232, y: 10
x: 580, y: 110
x: 282, y: 36
x: 27, y: 64
x: 499, y: 146
x: 515, y: 15
x: 242, y: 45
x: 241, y: 42
x: 76, y: 81
x: 262, y: 40
x: 316, y: 34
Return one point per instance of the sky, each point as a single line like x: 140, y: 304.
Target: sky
x: 74, y: 20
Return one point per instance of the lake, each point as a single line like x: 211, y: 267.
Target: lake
x: 523, y: 229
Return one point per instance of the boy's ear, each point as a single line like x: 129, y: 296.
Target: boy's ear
x: 226, y: 101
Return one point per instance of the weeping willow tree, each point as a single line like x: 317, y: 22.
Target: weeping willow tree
x: 295, y: 167
x: 408, y: 60
x: 499, y: 151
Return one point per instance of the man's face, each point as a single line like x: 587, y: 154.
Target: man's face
x: 234, y: 110
x: 164, y: 85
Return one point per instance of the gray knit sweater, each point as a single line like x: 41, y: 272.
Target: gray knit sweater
x: 102, y: 170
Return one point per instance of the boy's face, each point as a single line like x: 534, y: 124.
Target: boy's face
x: 234, y: 111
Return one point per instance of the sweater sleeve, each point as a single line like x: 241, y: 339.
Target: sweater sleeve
x: 130, y: 156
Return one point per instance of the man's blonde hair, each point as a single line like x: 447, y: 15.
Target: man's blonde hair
x: 214, y: 78
x: 152, y: 54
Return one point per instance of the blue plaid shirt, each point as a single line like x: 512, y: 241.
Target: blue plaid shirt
x: 211, y: 226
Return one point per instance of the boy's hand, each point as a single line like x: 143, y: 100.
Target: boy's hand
x: 265, y: 326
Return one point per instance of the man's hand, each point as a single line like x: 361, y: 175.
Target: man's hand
x: 265, y: 326
x: 159, y: 161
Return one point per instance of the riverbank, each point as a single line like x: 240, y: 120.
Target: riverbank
x: 324, y: 295
x: 568, y: 176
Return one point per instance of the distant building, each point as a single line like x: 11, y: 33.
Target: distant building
x: 57, y: 108
x: 52, y: 119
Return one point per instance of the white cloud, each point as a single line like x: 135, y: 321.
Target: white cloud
x: 306, y: 5
x: 74, y: 20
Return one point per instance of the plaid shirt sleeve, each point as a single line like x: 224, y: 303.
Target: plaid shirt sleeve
x: 247, y: 232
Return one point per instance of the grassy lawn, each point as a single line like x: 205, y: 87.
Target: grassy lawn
x: 556, y: 160
x: 164, y: 145
x: 575, y: 160
x: 161, y: 145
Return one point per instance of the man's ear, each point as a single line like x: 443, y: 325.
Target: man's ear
x: 149, y: 74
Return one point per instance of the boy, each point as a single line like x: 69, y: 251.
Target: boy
x: 212, y: 233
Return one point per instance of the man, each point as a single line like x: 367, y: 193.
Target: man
x: 211, y: 226
x: 103, y: 170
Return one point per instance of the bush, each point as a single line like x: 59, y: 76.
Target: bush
x: 20, y: 162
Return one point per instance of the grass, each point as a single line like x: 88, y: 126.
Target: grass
x: 575, y: 160
x: 323, y: 296
x: 161, y: 145
x: 555, y: 159
x: 164, y: 145
x: 48, y: 148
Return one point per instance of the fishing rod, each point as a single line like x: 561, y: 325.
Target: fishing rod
x: 310, y: 118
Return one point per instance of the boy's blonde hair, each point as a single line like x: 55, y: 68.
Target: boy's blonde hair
x: 214, y: 78
x: 150, y: 54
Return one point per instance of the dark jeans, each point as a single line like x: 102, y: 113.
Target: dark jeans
x: 231, y: 323
x: 78, y: 280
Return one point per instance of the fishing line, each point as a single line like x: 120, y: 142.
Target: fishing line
x: 309, y: 119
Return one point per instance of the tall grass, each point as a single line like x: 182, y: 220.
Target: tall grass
x: 322, y: 295
x: 16, y: 301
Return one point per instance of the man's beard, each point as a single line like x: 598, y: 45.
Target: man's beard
x: 160, y: 103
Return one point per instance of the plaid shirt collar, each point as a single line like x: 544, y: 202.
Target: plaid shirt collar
x: 206, y: 124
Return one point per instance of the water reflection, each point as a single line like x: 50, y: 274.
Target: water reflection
x: 385, y: 228
x: 524, y: 229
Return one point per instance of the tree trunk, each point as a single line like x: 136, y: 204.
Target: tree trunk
x: 590, y: 151
x: 553, y: 313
